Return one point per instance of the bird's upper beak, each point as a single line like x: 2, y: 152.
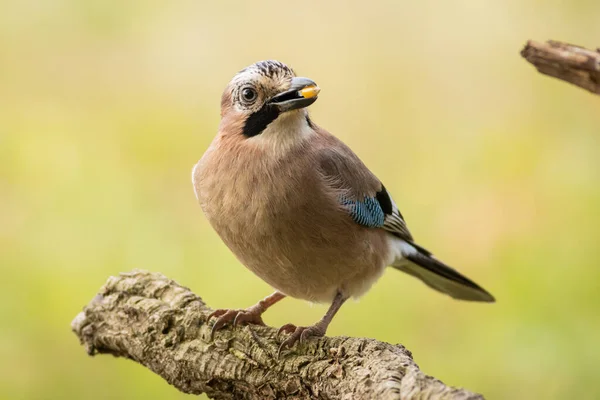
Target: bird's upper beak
x: 301, y: 93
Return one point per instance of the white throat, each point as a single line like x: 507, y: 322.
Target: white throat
x: 287, y: 131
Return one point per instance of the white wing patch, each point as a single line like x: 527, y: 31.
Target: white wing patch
x: 394, y: 223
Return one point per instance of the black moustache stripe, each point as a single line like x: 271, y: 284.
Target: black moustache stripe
x: 258, y: 121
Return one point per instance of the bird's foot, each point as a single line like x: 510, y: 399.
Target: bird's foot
x: 299, y: 334
x: 236, y: 317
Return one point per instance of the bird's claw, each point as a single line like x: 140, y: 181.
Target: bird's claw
x: 298, y: 334
x: 235, y: 317
x: 287, y: 328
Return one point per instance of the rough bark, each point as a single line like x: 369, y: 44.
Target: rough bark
x: 567, y: 62
x: 156, y: 322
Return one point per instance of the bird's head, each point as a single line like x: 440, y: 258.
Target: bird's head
x: 268, y: 98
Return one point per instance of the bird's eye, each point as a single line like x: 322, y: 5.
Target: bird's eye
x: 249, y: 95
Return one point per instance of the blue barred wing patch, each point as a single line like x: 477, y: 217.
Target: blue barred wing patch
x: 366, y: 212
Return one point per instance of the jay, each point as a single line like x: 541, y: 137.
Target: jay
x: 299, y: 209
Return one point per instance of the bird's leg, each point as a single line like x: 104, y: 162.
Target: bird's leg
x: 301, y: 333
x: 251, y: 315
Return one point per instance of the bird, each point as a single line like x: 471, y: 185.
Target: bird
x: 299, y: 209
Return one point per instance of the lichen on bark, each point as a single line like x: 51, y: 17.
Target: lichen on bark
x: 162, y: 325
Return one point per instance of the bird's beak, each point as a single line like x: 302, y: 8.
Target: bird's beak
x: 301, y: 93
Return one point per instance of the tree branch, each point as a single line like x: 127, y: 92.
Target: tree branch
x: 156, y: 322
x: 567, y: 62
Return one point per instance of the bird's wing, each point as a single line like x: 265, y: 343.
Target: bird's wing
x: 365, y: 199
x: 359, y: 191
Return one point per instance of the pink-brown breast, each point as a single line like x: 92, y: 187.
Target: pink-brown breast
x: 283, y: 221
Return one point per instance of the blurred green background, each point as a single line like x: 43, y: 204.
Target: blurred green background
x: 105, y: 106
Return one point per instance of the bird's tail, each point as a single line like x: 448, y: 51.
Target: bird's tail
x: 418, y: 262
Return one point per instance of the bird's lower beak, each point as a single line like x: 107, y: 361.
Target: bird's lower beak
x: 302, y: 93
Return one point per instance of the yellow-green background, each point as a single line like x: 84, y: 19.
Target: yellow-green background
x: 106, y: 105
